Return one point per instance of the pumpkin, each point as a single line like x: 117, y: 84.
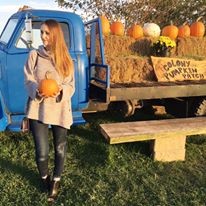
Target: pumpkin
x: 151, y: 30
x: 117, y: 28
x: 136, y: 31
x: 105, y: 25
x: 171, y: 31
x: 197, y: 28
x: 48, y: 86
x: 184, y: 30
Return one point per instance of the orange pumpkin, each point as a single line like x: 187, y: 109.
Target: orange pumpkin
x: 136, y: 31
x: 105, y: 25
x: 48, y: 86
x: 197, y: 28
x: 170, y: 31
x: 184, y: 30
x: 117, y: 28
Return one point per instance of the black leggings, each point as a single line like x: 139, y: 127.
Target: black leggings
x: 40, y: 134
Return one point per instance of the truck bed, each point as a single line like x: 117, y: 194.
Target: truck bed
x: 146, y: 90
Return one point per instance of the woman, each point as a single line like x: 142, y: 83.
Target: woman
x: 55, y: 110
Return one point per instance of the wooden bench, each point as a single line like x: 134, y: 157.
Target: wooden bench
x: 168, y: 135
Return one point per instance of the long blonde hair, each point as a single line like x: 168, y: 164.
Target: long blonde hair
x: 62, y: 58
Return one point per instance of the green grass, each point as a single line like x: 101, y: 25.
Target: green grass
x: 97, y: 173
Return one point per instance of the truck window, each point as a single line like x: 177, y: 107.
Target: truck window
x: 6, y: 35
x: 21, y: 41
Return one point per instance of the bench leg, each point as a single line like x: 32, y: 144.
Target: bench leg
x: 169, y: 148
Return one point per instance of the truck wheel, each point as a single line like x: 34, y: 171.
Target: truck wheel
x: 189, y: 107
x: 201, y: 108
x: 196, y: 106
x: 123, y: 108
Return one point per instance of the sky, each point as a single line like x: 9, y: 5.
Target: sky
x: 9, y: 7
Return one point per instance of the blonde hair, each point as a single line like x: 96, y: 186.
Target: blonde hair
x: 62, y: 58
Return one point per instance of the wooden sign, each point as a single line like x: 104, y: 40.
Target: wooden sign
x: 176, y: 69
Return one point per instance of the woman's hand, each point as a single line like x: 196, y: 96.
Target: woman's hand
x: 58, y: 92
x: 42, y: 95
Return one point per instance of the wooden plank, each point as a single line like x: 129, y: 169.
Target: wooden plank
x: 147, y: 90
x: 158, y: 92
x: 155, y: 83
x: 153, y: 129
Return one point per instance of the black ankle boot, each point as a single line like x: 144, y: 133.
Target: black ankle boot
x: 46, y: 184
x: 53, y: 190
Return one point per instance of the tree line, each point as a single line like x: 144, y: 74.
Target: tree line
x: 161, y: 12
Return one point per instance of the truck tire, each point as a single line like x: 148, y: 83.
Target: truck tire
x: 196, y: 106
x: 188, y: 107
x: 201, y: 108
x: 123, y: 108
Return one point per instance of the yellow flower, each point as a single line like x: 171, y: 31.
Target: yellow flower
x: 164, y: 41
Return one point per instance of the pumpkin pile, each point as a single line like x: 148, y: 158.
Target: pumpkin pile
x: 196, y: 29
x: 128, y: 52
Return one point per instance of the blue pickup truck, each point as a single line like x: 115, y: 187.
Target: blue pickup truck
x: 92, y: 94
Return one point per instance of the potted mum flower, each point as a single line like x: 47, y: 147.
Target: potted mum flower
x: 162, y: 46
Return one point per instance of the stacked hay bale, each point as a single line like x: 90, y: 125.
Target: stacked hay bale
x: 129, y: 59
x: 191, y: 46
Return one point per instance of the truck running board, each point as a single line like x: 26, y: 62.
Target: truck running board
x: 16, y: 121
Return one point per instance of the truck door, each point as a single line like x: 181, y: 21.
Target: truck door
x: 16, y: 57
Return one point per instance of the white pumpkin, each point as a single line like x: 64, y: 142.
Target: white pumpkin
x: 151, y: 30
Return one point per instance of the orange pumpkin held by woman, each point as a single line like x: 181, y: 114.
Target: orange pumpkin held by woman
x: 48, y: 87
x: 197, y: 28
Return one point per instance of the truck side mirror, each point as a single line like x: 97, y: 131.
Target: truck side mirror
x: 28, y: 28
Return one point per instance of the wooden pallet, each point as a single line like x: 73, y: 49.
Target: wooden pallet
x: 168, y: 135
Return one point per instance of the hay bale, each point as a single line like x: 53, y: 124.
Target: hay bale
x: 191, y: 46
x: 124, y: 55
x: 123, y: 45
x: 129, y: 69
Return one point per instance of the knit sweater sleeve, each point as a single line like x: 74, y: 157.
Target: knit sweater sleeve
x: 68, y: 88
x: 29, y: 80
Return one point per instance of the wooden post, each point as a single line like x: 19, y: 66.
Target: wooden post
x: 170, y: 148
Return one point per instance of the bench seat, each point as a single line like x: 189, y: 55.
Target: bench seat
x: 168, y: 135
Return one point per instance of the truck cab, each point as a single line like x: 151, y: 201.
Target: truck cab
x: 14, y: 51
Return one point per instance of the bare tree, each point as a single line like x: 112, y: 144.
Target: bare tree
x: 140, y: 11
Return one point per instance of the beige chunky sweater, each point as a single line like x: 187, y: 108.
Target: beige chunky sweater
x: 53, y: 111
